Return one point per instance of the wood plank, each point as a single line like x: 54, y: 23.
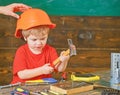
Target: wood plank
x: 94, y: 37
x: 69, y: 87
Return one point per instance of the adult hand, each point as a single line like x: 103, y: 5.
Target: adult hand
x: 12, y: 8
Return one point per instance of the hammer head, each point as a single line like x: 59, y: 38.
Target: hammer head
x: 72, y: 47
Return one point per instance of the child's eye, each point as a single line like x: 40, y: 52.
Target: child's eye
x: 43, y: 39
x: 34, y: 39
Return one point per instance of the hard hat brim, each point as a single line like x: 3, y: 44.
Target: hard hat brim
x: 18, y: 31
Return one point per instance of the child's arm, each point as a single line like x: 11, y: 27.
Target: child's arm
x: 30, y: 73
x: 62, y: 61
x: 61, y: 66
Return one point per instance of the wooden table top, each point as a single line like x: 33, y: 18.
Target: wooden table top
x: 104, y: 80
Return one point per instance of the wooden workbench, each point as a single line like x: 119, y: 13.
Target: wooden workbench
x: 105, y: 77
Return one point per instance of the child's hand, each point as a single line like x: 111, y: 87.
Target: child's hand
x: 64, y: 58
x: 47, y: 69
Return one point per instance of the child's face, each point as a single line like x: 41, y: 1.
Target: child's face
x: 36, y: 44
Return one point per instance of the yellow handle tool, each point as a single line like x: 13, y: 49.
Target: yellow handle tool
x: 84, y: 77
x: 71, y: 51
x: 39, y: 80
x: 67, y: 52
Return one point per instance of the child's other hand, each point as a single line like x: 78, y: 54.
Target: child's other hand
x: 64, y: 58
x: 47, y: 69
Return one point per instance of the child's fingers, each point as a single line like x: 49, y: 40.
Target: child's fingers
x: 62, y: 53
x: 64, y: 58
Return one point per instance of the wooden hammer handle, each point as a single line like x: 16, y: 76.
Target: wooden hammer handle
x: 67, y: 52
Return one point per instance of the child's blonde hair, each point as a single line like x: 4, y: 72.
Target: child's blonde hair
x: 36, y: 31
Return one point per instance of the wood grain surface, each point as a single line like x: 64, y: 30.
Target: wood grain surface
x: 94, y: 37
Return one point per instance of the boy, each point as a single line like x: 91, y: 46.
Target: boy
x: 34, y: 59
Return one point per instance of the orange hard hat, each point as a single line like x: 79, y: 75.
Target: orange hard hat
x: 32, y: 18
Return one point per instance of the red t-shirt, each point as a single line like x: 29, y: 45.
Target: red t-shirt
x: 25, y: 59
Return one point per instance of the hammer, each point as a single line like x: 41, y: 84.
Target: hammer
x: 71, y: 51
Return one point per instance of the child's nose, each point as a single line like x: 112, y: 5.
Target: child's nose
x: 39, y: 42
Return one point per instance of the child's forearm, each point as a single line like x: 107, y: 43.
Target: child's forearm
x: 30, y: 73
x: 62, y: 66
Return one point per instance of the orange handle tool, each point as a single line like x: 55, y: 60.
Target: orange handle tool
x: 67, y: 52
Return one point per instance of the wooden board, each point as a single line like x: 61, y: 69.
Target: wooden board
x: 70, y: 87
x: 94, y: 37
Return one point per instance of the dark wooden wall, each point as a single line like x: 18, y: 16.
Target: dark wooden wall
x: 94, y: 37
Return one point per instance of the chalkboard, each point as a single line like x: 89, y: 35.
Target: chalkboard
x: 73, y: 7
